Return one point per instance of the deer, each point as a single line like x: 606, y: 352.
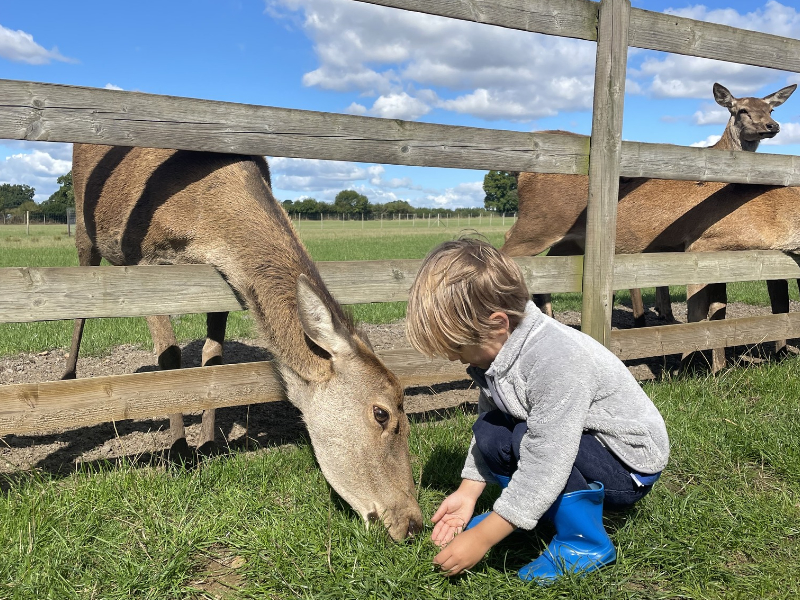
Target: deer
x: 145, y: 206
x: 652, y: 213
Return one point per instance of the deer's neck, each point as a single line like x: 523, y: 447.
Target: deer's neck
x: 731, y: 139
x: 271, y: 295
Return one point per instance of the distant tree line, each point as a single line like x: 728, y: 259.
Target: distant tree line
x: 500, y: 188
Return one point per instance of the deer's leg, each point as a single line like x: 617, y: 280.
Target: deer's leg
x: 664, y: 303
x: 212, y: 355
x: 778, y: 290
x: 169, y: 357
x: 544, y: 302
x: 88, y: 256
x: 697, y: 304
x: 638, y: 307
x: 72, y: 360
x: 718, y: 303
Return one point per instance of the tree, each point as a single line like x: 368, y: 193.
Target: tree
x: 350, y: 201
x: 307, y: 206
x: 27, y: 206
x: 397, y: 206
x: 64, y: 197
x: 501, y: 191
x: 12, y: 196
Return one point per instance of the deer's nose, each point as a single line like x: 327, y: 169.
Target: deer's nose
x: 773, y: 127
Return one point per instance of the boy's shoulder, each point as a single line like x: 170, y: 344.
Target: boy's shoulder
x: 552, y: 342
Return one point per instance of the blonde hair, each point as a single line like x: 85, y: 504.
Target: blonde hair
x: 459, y: 286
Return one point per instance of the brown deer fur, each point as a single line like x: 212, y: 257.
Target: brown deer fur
x: 663, y: 215
x: 139, y: 206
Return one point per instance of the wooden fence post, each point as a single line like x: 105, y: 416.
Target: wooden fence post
x: 604, y: 168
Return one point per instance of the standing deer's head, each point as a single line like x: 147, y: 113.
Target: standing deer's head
x: 356, y: 421
x: 751, y: 118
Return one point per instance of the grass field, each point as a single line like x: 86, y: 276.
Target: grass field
x: 49, y: 246
x: 723, y: 522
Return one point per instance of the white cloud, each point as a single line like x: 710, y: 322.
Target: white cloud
x: 111, y: 86
x: 687, y: 77
x: 464, y: 195
x: 392, y: 106
x: 20, y: 47
x: 305, y: 175
x: 399, y: 106
x: 709, y: 115
x: 398, y: 56
x: 709, y: 141
x: 38, y: 167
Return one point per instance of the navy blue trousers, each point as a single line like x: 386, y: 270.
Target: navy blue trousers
x: 498, y: 437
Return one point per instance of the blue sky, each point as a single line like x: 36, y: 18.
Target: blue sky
x: 349, y: 57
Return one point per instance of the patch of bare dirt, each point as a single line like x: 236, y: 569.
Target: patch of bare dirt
x: 218, y: 574
x: 256, y: 425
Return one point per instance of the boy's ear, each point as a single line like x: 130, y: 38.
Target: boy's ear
x: 503, y: 322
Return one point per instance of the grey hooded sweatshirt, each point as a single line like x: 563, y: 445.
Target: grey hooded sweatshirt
x: 563, y: 383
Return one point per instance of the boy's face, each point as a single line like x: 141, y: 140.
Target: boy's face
x: 482, y: 355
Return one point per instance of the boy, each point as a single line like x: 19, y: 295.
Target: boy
x: 563, y: 425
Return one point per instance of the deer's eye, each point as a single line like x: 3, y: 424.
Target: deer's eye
x: 381, y: 415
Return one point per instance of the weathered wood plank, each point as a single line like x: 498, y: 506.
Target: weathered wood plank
x: 668, y: 33
x: 601, y: 213
x: 49, y: 112
x: 45, y: 294
x: 565, y: 18
x: 50, y: 293
x: 648, y: 30
x: 679, y: 268
x: 666, y: 161
x: 704, y: 335
x: 26, y: 408
x: 49, y: 406
x: 53, y: 405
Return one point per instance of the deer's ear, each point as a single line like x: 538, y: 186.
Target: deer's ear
x: 722, y: 96
x: 780, y: 96
x: 317, y: 321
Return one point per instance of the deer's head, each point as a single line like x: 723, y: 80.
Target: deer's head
x: 356, y: 421
x: 751, y: 118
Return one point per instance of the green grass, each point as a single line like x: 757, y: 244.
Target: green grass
x: 721, y: 523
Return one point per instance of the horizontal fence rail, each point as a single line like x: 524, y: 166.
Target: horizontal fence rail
x: 51, y: 293
x: 648, y: 30
x: 58, y: 113
x: 41, y: 407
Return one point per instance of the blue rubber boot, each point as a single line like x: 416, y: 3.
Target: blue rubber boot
x: 503, y: 481
x: 580, y: 545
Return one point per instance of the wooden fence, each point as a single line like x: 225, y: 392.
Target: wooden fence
x: 49, y: 112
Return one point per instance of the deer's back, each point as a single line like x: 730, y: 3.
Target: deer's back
x: 153, y: 206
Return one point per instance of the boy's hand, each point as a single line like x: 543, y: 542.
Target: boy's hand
x: 469, y: 547
x: 462, y: 553
x: 455, y: 512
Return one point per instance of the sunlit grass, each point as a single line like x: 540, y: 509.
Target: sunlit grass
x: 722, y: 522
